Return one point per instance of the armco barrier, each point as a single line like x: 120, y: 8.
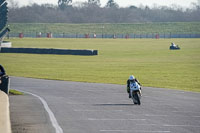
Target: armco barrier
x: 5, y: 125
x: 104, y: 35
x: 49, y: 51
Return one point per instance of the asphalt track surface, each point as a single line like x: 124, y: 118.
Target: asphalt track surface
x: 106, y: 108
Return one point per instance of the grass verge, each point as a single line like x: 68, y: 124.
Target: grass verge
x: 15, y: 92
x: 124, y: 28
x: 150, y: 60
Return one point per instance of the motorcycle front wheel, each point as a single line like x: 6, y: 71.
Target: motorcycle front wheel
x: 136, y: 98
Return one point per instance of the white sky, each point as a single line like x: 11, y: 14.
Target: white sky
x: 122, y: 3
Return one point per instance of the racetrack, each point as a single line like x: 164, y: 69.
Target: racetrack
x: 106, y: 108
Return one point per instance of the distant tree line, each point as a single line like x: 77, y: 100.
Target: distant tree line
x: 92, y: 12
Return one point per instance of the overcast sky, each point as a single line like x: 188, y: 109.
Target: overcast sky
x: 122, y: 3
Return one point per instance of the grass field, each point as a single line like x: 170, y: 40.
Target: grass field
x: 136, y: 28
x: 150, y: 60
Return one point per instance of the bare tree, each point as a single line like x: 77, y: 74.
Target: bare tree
x: 91, y: 13
x: 112, y: 4
x: 12, y: 4
x: 95, y: 2
x: 64, y: 4
x: 199, y: 2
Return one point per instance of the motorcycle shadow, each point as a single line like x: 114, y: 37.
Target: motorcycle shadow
x: 112, y: 104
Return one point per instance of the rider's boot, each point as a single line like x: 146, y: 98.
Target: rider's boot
x: 129, y: 95
x: 140, y: 92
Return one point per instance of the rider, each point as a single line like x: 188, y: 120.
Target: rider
x: 2, y: 71
x: 132, y: 79
x: 173, y: 45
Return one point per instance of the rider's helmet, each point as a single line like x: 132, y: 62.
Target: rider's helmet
x: 131, y: 78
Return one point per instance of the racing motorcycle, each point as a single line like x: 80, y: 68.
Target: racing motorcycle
x: 135, y: 90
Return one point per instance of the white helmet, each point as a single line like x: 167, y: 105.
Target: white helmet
x: 131, y: 77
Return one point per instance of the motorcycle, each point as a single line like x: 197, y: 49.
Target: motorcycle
x: 135, y: 90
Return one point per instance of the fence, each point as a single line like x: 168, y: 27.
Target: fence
x: 63, y: 35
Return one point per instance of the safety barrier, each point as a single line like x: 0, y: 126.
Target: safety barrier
x: 49, y: 51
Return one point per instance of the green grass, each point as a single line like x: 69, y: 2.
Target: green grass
x: 150, y: 60
x: 136, y: 28
x: 15, y: 92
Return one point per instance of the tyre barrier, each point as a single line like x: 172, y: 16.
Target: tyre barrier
x: 49, y: 51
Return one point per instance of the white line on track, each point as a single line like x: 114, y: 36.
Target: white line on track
x: 156, y: 115
x: 180, y: 126
x: 149, y: 115
x: 54, y: 122
x: 185, y: 112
